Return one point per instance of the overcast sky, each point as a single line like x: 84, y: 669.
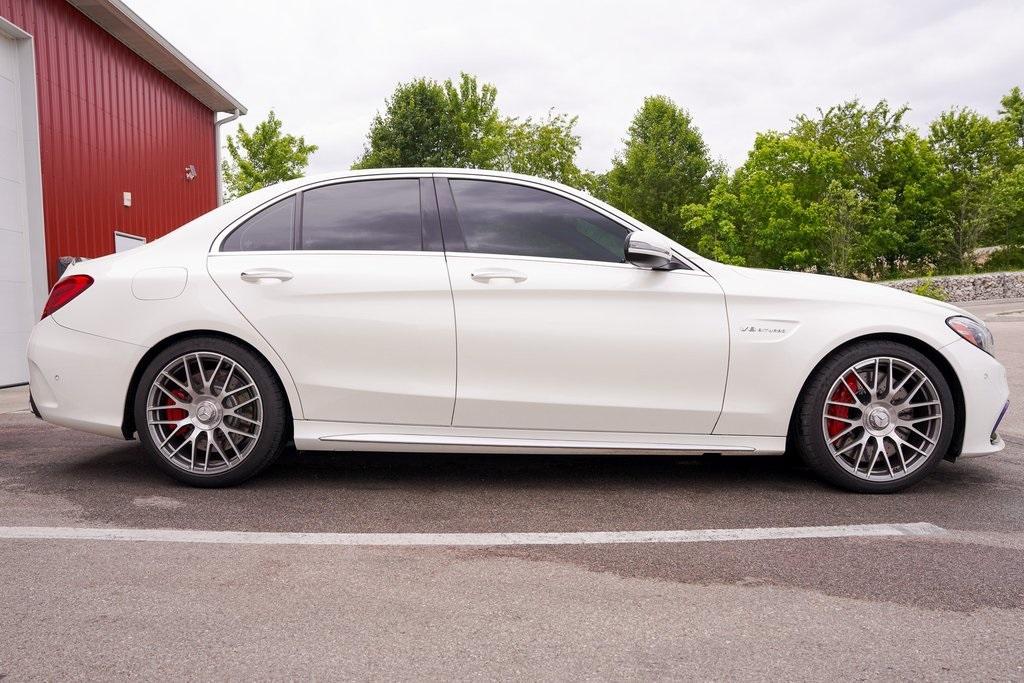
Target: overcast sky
x: 739, y: 67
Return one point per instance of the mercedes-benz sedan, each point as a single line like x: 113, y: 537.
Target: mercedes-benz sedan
x: 440, y: 310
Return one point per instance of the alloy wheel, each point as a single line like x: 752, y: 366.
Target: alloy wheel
x: 882, y: 418
x: 204, y: 412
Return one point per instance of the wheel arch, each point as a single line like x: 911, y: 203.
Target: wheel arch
x: 128, y: 426
x: 918, y: 345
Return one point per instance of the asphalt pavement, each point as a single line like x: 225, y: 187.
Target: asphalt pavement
x: 941, y: 606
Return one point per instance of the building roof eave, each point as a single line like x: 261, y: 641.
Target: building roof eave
x: 122, y: 23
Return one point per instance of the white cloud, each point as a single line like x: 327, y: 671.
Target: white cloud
x: 739, y: 67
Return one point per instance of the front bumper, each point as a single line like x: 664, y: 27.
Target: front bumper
x: 986, y: 394
x: 80, y: 380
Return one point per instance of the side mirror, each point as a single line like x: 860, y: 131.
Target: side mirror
x: 645, y: 255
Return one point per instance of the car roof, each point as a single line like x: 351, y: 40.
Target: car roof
x: 436, y: 170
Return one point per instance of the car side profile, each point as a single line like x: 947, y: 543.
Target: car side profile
x: 442, y: 310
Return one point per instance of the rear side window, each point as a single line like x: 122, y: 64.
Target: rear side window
x: 371, y: 215
x: 270, y: 230
x: 501, y: 218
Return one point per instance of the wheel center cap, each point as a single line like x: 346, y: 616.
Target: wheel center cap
x: 207, y: 413
x: 879, y: 418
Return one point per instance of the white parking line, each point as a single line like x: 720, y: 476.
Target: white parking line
x: 465, y: 539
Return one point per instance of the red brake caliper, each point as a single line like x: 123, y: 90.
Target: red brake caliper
x: 176, y: 414
x: 842, y: 394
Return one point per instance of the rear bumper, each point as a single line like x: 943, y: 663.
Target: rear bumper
x: 986, y: 393
x: 80, y: 380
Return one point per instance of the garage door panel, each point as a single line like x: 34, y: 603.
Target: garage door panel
x: 8, y: 59
x: 11, y: 195
x: 11, y: 159
x: 12, y: 256
x: 9, y: 114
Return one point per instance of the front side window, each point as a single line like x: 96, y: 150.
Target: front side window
x: 269, y: 230
x: 370, y: 215
x: 500, y: 218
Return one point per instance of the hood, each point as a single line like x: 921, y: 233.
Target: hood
x: 791, y: 284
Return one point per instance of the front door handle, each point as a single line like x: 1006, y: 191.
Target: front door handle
x: 488, y: 274
x: 260, y: 274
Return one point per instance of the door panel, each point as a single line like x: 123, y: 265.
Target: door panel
x: 367, y: 337
x: 570, y: 345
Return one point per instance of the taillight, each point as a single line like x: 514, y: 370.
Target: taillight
x: 64, y: 291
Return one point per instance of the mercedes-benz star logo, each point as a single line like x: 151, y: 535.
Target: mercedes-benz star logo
x: 878, y: 419
x: 204, y: 412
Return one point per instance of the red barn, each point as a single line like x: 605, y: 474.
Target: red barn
x: 108, y: 137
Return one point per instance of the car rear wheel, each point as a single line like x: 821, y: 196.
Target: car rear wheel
x: 877, y: 417
x: 210, y: 412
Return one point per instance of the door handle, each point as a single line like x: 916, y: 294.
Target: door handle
x: 488, y: 274
x: 260, y: 274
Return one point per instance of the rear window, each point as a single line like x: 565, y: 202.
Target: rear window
x: 369, y: 215
x: 272, y: 229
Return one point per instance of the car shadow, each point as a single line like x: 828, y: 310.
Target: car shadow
x: 127, y: 463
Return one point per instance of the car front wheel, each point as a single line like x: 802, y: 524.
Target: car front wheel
x: 876, y: 417
x: 210, y: 412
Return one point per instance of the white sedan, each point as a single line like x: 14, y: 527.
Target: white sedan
x: 436, y: 310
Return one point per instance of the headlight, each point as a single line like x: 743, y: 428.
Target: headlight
x: 972, y: 331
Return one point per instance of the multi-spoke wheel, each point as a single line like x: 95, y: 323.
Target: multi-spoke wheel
x: 210, y: 412
x: 876, y: 417
x: 204, y: 405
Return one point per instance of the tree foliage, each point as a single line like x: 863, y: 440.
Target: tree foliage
x: 664, y: 166
x: 856, y: 191
x: 971, y: 150
x: 426, y: 123
x: 263, y: 157
x: 545, y: 148
x: 458, y: 124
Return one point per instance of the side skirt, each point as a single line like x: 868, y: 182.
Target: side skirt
x: 346, y: 436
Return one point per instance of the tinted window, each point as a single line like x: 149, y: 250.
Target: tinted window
x: 269, y: 230
x: 379, y: 215
x: 498, y: 218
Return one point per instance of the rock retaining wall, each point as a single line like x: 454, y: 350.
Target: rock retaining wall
x: 971, y: 287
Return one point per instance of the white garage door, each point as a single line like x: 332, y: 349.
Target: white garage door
x: 15, y: 281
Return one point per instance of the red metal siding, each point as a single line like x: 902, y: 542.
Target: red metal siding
x: 110, y: 123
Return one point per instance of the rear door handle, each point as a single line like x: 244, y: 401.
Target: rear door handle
x: 488, y: 274
x: 260, y: 274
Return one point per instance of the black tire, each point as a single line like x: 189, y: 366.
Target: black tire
x: 273, y: 435
x: 810, y: 437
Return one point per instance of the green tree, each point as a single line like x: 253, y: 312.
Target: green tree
x: 1012, y: 114
x: 1009, y: 200
x: 457, y: 124
x: 710, y: 226
x: 849, y: 191
x: 973, y: 151
x: 664, y: 166
x: 426, y: 123
x: 1009, y: 190
x: 545, y: 148
x: 841, y: 212
x: 263, y: 157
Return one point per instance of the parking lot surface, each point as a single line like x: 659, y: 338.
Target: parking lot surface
x: 942, y: 605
